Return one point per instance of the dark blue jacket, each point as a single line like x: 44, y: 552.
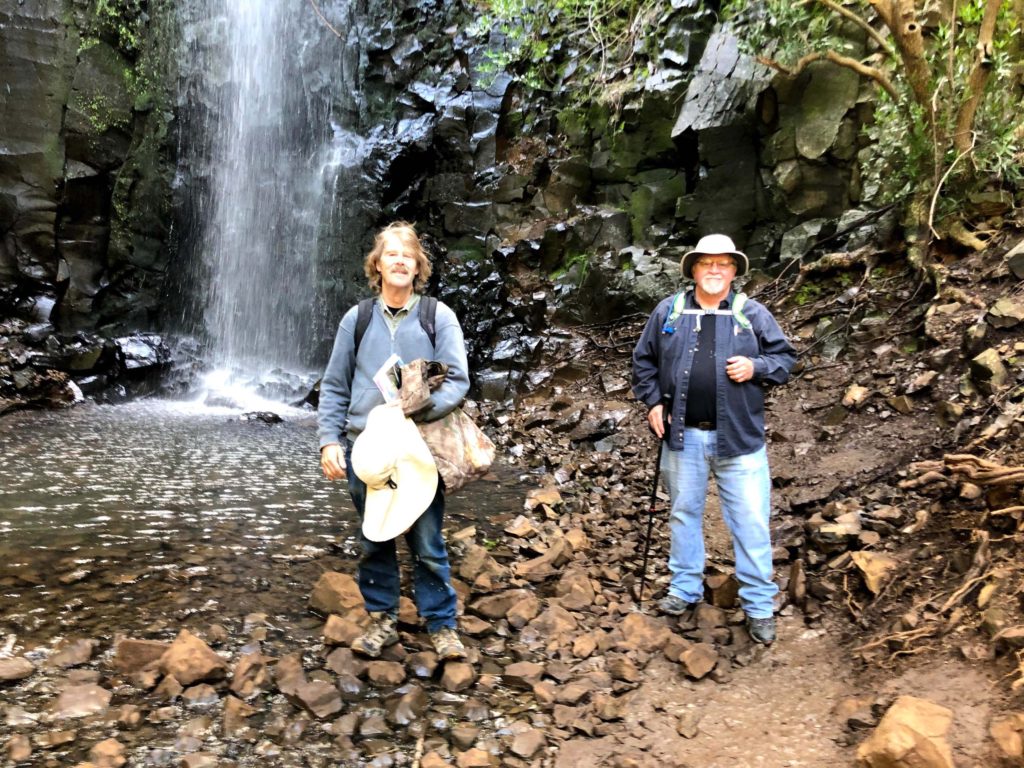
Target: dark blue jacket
x: 662, y: 362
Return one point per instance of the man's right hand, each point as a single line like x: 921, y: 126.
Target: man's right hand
x: 656, y: 420
x: 332, y: 461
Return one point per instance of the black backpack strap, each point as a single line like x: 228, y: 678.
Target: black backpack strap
x: 362, y: 321
x: 428, y: 312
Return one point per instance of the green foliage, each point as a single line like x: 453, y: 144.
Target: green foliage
x: 906, y: 151
x: 121, y: 22
x: 589, y: 44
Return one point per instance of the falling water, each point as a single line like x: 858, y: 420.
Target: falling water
x: 261, y: 158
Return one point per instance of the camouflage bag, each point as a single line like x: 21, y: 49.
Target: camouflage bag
x: 461, y: 451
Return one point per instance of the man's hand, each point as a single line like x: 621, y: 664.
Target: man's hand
x: 332, y: 461
x: 656, y: 420
x: 739, y: 369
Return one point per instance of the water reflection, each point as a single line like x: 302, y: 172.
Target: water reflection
x: 120, y: 518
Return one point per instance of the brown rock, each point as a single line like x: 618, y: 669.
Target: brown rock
x: 522, y: 674
x: 15, y: 669
x: 876, y: 568
x: 1007, y: 732
x: 190, y: 660
x: 319, y: 697
x: 687, y: 725
x: 108, y: 754
x: 19, y: 748
x: 134, y: 655
x: 912, y: 734
x: 464, y: 735
x: 200, y: 760
x: 477, y: 562
x: 344, y: 662
x: 386, y: 673
x: 129, y: 716
x: 422, y: 664
x: 584, y: 645
x: 235, y: 713
x: 498, y: 605
x: 81, y: 701
x: 433, y: 760
x: 288, y: 674
x: 644, y: 632
x: 458, y: 676
x: 523, y: 612
x: 606, y: 706
x: 724, y: 589
x: 528, y: 743
x: 200, y: 696
x: 577, y: 540
x: 544, y: 692
x: 698, y: 660
x: 674, y: 647
x: 575, y: 591
x: 474, y: 758
x: 547, y: 565
x: 551, y: 624
x: 169, y: 689
x: 339, y: 631
x: 621, y: 668
x: 407, y: 613
x: 573, y: 693
x: 474, y: 626
x: 408, y: 707
x: 547, y: 496
x: 337, y: 593
x: 522, y: 527
x: 71, y: 653
x: 251, y: 675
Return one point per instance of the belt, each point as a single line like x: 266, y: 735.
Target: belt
x: 706, y: 426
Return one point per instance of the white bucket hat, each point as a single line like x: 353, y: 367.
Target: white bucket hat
x: 400, y: 475
x: 713, y: 245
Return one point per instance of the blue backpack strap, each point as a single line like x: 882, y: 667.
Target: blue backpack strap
x: 678, y: 305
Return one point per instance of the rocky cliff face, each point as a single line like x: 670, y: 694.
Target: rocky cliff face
x: 534, y: 211
x: 85, y: 177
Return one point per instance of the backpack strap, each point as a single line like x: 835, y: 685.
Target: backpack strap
x: 735, y: 312
x: 362, y: 322
x: 428, y: 315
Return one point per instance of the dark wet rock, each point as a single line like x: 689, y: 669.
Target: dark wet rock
x: 81, y: 701
x: 13, y: 669
x: 190, y: 660
x: 267, y: 417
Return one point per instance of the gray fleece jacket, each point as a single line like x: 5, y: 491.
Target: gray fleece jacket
x: 347, y: 391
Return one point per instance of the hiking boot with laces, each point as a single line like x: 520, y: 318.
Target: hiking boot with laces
x: 762, y: 630
x: 447, y: 644
x: 673, y: 605
x: 382, y: 632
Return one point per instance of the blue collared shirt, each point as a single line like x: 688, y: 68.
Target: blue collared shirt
x: 662, y: 363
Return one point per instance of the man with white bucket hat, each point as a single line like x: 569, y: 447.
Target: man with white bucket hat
x: 701, y: 367
x: 391, y: 475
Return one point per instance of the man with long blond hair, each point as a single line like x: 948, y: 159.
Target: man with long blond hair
x: 397, y: 269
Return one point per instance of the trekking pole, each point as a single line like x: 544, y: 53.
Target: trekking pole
x: 650, y: 525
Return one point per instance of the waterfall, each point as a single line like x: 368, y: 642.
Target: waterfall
x: 261, y: 152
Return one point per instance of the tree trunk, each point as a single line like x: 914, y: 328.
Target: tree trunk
x: 962, y: 139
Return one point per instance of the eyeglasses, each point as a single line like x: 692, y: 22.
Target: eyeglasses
x: 723, y: 264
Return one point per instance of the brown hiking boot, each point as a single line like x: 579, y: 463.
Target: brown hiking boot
x: 447, y: 644
x: 382, y: 632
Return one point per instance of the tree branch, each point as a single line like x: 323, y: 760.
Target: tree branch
x: 857, y: 19
x: 843, y: 61
x: 962, y: 141
x: 324, y: 19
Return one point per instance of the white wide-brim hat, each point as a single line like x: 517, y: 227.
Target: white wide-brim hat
x: 713, y: 245
x: 400, y: 475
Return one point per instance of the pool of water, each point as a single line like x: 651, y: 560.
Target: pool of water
x: 130, y: 518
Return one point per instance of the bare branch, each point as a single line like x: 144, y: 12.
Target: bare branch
x: 844, y: 61
x: 979, y: 76
x: 857, y: 19
x: 324, y: 19
x: 938, y: 186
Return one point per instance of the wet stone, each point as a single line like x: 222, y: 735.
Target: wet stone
x: 344, y: 662
x: 15, y: 669
x: 351, y: 687
x: 134, y: 655
x: 81, y: 701
x: 458, y: 676
x: 422, y: 664
x: 190, y: 660
x: 385, y: 673
x: 71, y: 653
x: 408, y: 707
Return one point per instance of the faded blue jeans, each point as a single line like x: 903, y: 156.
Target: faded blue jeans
x: 379, y: 578
x: 744, y: 491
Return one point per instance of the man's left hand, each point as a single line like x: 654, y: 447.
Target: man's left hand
x: 739, y: 368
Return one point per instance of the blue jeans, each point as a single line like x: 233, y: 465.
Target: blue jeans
x: 379, y: 578
x: 744, y: 490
